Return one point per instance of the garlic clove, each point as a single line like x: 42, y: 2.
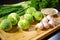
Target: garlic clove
x: 39, y: 26
x: 52, y: 23
x: 45, y: 19
x: 46, y: 25
x: 49, y: 17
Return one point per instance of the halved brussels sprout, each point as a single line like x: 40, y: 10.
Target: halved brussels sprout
x: 29, y: 18
x: 38, y: 16
x: 23, y: 24
x: 14, y: 18
x: 31, y: 10
x: 6, y: 25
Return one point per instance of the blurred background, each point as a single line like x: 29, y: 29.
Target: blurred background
x: 10, y: 1
x: 16, y: 1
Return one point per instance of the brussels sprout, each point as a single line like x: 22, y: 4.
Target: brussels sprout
x: 25, y: 4
x: 23, y: 24
x: 38, y: 16
x: 6, y: 25
x: 29, y: 18
x: 31, y: 10
x: 14, y: 18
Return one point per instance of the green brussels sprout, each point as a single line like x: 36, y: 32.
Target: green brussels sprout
x: 29, y: 18
x: 38, y: 16
x: 6, y: 25
x: 23, y: 24
x: 31, y: 10
x: 14, y: 18
x: 25, y: 4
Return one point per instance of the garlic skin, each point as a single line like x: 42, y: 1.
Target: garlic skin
x: 45, y: 19
x: 45, y: 22
x: 39, y: 26
x: 52, y: 22
x: 46, y: 25
x: 49, y: 17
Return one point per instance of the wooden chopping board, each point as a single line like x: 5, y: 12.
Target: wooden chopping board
x: 15, y: 34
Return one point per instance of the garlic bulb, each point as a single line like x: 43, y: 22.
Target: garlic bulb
x: 39, y: 25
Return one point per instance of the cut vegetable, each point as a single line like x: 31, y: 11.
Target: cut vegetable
x: 5, y: 25
x: 38, y: 16
x: 23, y: 24
x: 29, y: 18
x: 31, y: 10
x: 14, y: 18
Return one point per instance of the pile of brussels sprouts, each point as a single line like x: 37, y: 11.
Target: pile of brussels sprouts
x: 29, y: 17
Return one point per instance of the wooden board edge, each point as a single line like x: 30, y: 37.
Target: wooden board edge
x: 41, y: 36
